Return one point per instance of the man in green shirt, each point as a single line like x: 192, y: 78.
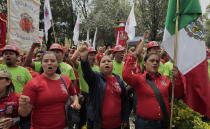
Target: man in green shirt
x: 20, y: 75
x: 118, y: 62
x: 65, y: 69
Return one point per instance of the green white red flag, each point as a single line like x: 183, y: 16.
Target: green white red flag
x: 191, y: 53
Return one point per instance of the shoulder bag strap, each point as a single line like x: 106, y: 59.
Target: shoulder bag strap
x: 65, y: 86
x: 159, y: 98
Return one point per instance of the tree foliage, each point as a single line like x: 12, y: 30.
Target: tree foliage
x: 103, y: 15
x: 152, y: 15
x: 3, y: 6
x: 207, y: 26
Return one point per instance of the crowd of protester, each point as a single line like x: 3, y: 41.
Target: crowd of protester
x: 105, y: 85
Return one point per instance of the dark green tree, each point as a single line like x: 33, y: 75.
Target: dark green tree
x: 151, y: 16
x: 103, y: 15
x: 206, y: 18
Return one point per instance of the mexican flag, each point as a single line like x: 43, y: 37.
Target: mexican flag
x: 191, y: 53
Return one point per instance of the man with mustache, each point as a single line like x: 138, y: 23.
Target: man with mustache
x: 118, y: 62
x: 20, y: 75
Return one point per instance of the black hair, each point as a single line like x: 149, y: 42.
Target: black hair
x: 147, y: 57
x: 39, y: 52
x: 11, y: 87
x: 50, y: 52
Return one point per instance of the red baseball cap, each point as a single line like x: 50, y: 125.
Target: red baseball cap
x: 11, y: 48
x: 118, y: 48
x: 91, y: 49
x: 56, y: 46
x: 152, y: 44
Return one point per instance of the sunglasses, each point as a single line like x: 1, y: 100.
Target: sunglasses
x: 1, y: 78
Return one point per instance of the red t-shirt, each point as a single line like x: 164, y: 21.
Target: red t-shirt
x: 111, y: 112
x: 48, y: 97
x: 33, y: 74
x: 9, y: 106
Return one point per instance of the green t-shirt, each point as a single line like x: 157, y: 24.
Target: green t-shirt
x: 20, y: 76
x: 117, y: 68
x: 168, y: 66
x: 209, y: 67
x: 83, y: 85
x: 65, y: 69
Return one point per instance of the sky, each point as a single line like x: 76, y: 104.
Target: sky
x: 204, y: 4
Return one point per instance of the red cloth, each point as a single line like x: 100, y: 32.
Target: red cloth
x: 98, y: 57
x: 111, y: 112
x: 33, y: 74
x: 3, y: 30
x: 48, y: 97
x: 147, y: 105
x: 122, y: 35
x: 198, y: 89
x: 9, y: 105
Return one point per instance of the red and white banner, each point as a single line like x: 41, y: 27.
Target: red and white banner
x: 23, y: 23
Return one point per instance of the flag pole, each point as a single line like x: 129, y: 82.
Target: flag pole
x: 53, y: 30
x: 175, y: 62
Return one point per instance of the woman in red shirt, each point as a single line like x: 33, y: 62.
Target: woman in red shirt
x: 45, y: 96
x: 149, y: 114
x: 8, y: 102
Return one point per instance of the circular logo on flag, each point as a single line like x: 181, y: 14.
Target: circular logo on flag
x: 26, y: 23
x: 46, y: 12
x: 194, y: 29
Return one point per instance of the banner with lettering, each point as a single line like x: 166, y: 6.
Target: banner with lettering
x: 23, y: 19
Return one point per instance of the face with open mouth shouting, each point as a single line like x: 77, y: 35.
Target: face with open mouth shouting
x: 49, y: 64
x: 10, y: 58
x: 106, y: 65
